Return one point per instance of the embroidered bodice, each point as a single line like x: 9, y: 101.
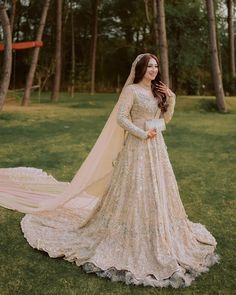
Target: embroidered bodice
x: 138, y: 106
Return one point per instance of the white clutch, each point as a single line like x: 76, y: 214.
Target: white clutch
x: 158, y: 124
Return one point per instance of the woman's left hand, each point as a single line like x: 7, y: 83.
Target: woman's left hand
x: 165, y: 89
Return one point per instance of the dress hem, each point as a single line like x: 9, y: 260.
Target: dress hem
x: 179, y: 278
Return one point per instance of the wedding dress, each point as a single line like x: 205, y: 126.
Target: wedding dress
x: 138, y: 232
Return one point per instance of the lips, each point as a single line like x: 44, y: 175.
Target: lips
x: 152, y: 75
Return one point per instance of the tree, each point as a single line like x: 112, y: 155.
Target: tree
x: 152, y: 21
x: 7, y: 62
x: 35, y: 57
x: 94, y: 43
x: 231, y: 48
x: 155, y: 24
x: 124, y: 32
x: 163, y: 42
x: 72, y: 86
x: 146, y: 2
x: 57, y: 77
x: 216, y: 73
x: 13, y: 14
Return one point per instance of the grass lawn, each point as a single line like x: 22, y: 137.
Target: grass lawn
x: 57, y: 138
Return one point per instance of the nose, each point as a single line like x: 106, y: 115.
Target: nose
x: 154, y: 68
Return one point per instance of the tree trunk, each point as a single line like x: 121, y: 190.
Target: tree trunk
x: 13, y: 14
x: 72, y: 88
x: 231, y: 39
x: 94, y: 44
x: 164, y: 63
x: 155, y: 25
x: 215, y: 67
x: 7, y: 59
x: 58, y: 55
x: 147, y: 11
x: 35, y: 57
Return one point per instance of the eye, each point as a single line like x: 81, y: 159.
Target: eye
x: 150, y: 66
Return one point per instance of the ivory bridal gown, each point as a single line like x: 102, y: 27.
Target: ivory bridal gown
x: 139, y: 233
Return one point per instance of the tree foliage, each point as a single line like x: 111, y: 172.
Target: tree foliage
x: 123, y: 32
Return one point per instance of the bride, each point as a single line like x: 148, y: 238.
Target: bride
x: 121, y: 217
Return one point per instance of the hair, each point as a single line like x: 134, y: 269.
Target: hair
x: 140, y: 70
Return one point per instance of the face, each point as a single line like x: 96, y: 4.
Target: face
x: 152, y: 70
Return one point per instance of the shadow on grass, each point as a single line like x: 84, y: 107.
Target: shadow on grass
x: 87, y: 105
x: 6, y: 116
x: 207, y: 105
x: 45, y: 130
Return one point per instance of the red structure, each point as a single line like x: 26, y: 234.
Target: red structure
x: 23, y: 45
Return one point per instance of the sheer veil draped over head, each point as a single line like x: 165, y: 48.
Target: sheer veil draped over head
x: 30, y: 190
x: 109, y: 219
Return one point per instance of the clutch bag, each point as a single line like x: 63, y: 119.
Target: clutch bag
x: 158, y: 124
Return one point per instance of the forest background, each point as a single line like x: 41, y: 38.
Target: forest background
x: 100, y: 39
x: 88, y: 47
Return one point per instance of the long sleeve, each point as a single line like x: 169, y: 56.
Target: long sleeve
x: 170, y: 110
x: 123, y: 115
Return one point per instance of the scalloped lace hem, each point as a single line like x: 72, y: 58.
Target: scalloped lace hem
x: 180, y: 279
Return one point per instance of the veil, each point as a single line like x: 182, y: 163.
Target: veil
x: 30, y: 190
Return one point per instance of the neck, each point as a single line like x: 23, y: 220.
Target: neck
x: 146, y: 83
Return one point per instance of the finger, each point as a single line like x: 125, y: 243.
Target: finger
x: 162, y: 91
x: 162, y: 88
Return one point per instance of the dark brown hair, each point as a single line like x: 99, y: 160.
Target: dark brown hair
x: 140, y: 70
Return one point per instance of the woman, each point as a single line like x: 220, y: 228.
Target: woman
x: 132, y: 226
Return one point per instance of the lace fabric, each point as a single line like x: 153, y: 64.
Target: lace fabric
x: 139, y: 232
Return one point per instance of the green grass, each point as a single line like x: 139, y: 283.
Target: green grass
x: 57, y: 138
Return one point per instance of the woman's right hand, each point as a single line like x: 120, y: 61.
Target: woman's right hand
x: 152, y: 133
